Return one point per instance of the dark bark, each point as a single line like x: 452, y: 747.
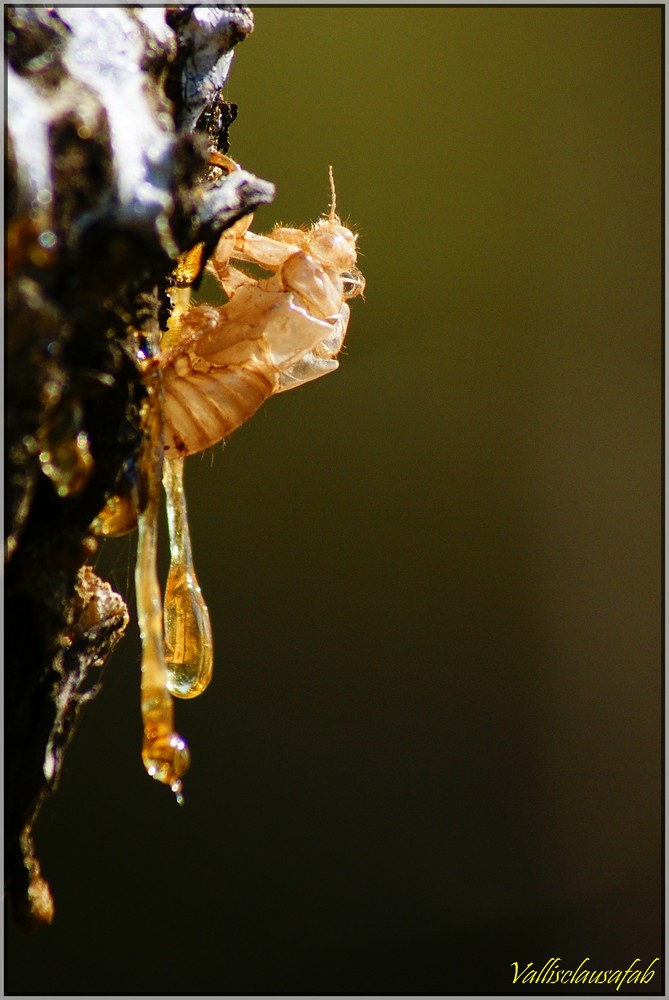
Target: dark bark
x: 111, y: 114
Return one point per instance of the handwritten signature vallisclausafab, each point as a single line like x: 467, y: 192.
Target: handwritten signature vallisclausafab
x: 552, y: 973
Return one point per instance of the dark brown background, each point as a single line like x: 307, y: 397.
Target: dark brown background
x: 432, y: 746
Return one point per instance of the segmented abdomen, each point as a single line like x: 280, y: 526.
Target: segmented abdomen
x: 203, y: 408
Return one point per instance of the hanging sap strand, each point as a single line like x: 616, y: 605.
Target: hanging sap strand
x: 164, y: 753
x: 187, y: 628
x: 188, y: 640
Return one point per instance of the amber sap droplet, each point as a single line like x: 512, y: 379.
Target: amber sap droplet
x: 65, y: 454
x: 189, y: 652
x: 117, y: 517
x: 119, y: 514
x: 164, y: 753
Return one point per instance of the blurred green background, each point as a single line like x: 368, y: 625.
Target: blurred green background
x: 432, y: 746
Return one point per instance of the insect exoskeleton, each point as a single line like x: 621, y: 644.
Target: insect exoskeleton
x: 273, y: 334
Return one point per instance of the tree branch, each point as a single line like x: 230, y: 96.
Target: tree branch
x: 111, y: 115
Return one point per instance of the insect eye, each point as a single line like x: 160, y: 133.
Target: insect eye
x: 333, y: 247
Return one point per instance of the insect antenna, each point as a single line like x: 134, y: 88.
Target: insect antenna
x: 333, y: 193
